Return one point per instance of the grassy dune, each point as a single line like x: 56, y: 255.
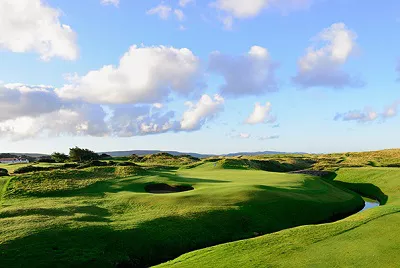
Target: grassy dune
x: 103, y: 217
x: 368, y: 239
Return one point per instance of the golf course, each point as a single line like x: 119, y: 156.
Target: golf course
x: 213, y: 212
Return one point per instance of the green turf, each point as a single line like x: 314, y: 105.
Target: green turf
x: 367, y: 239
x: 102, y: 217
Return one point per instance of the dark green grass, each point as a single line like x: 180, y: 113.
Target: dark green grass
x: 103, y: 217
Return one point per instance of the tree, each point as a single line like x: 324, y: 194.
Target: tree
x: 80, y: 155
x: 59, y: 157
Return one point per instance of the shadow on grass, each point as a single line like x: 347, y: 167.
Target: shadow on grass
x: 94, y: 213
x: 364, y: 189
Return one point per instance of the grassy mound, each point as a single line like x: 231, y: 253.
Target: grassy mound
x: 367, y: 239
x: 96, y: 217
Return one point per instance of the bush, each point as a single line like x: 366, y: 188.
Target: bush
x: 46, y: 160
x: 126, y: 164
x: 27, y: 169
x: 69, y: 165
x: 93, y: 163
x: 3, y: 172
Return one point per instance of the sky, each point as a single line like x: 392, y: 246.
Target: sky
x: 210, y: 76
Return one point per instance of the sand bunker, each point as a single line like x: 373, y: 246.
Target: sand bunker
x: 162, y: 188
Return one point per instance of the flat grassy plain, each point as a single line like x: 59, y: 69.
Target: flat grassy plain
x: 103, y: 217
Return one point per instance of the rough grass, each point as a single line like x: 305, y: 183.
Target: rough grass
x: 368, y: 239
x: 103, y: 217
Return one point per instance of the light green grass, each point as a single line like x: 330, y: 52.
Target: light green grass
x: 368, y: 239
x: 102, y: 217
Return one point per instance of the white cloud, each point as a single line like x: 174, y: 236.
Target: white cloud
x: 244, y: 135
x: 161, y: 10
x: 32, y: 26
x: 197, y: 114
x: 17, y: 100
x: 260, y: 114
x: 184, y: 3
x: 131, y: 120
x: 80, y: 120
x: 144, y: 75
x: 158, y: 105
x: 250, y: 74
x: 273, y: 137
x: 322, y: 66
x: 110, y: 2
x: 179, y: 14
x: 31, y: 111
x: 369, y: 114
x: 243, y: 9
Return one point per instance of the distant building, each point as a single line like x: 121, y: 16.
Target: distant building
x: 13, y: 160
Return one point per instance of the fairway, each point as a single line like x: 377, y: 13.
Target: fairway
x: 368, y: 239
x: 103, y: 216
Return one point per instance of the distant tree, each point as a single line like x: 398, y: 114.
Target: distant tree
x: 105, y: 156
x: 80, y: 155
x: 59, y: 157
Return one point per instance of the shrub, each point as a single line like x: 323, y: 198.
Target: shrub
x: 93, y: 163
x: 27, y: 169
x: 3, y: 172
x: 126, y: 164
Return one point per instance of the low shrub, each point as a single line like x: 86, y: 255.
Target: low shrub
x: 126, y: 164
x: 3, y: 172
x: 27, y: 169
x: 93, y: 163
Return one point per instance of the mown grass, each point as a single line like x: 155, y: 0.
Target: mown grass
x: 368, y: 239
x: 103, y: 217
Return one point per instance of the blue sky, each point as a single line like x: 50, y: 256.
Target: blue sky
x: 206, y: 76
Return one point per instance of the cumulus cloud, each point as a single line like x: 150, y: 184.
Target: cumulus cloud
x: 131, y: 120
x: 17, y: 100
x: 144, y: 75
x: 369, y: 114
x: 201, y: 112
x: 33, y: 26
x: 32, y: 111
x: 250, y: 74
x: 261, y: 114
x: 110, y: 2
x: 323, y: 66
x: 243, y: 9
x: 79, y: 120
x: 161, y: 11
